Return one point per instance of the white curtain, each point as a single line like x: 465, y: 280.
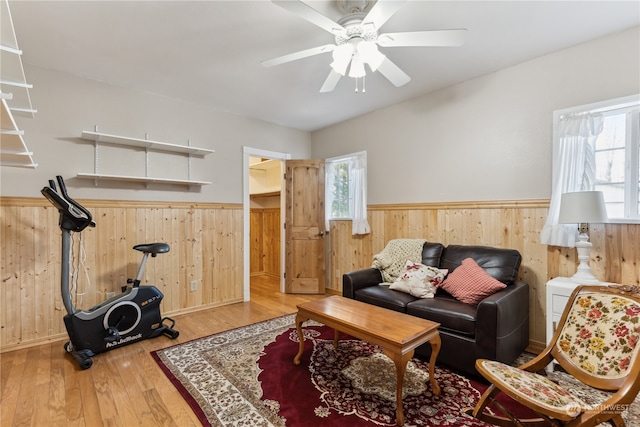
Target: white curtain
x: 359, y: 223
x: 573, y: 170
x: 328, y: 198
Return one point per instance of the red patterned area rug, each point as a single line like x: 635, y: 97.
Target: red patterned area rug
x: 246, y: 377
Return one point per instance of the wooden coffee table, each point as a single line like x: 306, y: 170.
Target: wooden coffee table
x: 398, y: 334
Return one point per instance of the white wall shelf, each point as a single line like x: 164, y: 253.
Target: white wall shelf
x: 14, y: 92
x: 265, y: 177
x: 143, y: 179
x: 136, y: 143
x: 14, y: 150
x: 265, y: 165
x: 144, y: 143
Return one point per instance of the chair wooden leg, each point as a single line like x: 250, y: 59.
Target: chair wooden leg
x: 617, y: 421
x: 485, y: 399
x: 479, y: 410
x: 509, y: 420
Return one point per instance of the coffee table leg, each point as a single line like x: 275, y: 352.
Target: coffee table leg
x: 435, y: 349
x: 299, y: 321
x: 400, y: 360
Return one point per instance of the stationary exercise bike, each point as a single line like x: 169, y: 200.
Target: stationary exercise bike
x: 131, y: 316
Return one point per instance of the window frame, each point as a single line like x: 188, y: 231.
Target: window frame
x: 361, y: 157
x: 627, y: 104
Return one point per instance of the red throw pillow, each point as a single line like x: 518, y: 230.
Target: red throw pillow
x: 470, y: 284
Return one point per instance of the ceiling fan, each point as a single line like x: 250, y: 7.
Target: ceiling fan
x: 357, y: 39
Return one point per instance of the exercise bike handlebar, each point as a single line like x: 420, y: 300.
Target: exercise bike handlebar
x: 73, y: 216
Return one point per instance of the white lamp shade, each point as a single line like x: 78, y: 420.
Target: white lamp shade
x: 357, y: 68
x: 369, y: 53
x: 582, y: 207
x: 341, y: 58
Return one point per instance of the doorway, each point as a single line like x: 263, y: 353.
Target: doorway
x: 262, y: 175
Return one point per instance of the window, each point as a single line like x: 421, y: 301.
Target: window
x: 339, y: 187
x: 346, y: 190
x: 595, y: 147
x: 617, y: 162
x: 340, y: 190
x: 616, y: 155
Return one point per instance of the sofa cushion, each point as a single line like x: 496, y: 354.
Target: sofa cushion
x: 432, y: 254
x: 470, y: 284
x: 419, y: 280
x: 382, y: 296
x: 501, y: 264
x: 452, y: 314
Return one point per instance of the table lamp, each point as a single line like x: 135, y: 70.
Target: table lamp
x: 582, y: 208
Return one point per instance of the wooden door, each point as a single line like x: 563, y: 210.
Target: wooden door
x: 304, y: 227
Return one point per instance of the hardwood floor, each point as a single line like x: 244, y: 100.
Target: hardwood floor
x: 42, y: 386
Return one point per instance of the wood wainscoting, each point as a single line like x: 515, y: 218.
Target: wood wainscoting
x: 206, y: 247
x: 615, y: 256
x: 265, y: 241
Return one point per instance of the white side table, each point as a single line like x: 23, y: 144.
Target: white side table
x: 558, y: 292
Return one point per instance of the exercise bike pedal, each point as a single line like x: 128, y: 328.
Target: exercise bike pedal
x: 113, y: 335
x: 168, y: 330
x: 171, y: 333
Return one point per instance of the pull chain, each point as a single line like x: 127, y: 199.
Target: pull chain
x: 364, y: 90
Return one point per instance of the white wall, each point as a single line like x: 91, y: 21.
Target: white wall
x: 486, y: 139
x: 67, y: 105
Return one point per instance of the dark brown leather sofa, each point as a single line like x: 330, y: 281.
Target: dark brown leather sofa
x: 497, y: 328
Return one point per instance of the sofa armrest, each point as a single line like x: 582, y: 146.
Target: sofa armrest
x: 359, y: 279
x: 502, y: 322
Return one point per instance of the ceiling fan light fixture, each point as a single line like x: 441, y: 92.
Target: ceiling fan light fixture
x: 369, y: 54
x: 357, y: 68
x: 357, y: 40
x: 341, y: 58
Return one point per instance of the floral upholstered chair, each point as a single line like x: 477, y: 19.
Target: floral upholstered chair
x: 597, y: 343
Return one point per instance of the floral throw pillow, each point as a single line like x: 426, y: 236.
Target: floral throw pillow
x: 470, y: 284
x: 419, y: 280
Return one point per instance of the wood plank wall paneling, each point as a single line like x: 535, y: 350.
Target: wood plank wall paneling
x: 265, y: 241
x: 206, y: 246
x: 256, y: 251
x: 615, y: 256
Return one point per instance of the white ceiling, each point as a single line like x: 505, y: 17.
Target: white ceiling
x: 209, y: 52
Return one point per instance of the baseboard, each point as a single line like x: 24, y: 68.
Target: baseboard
x: 264, y: 273
x: 64, y: 337
x: 535, y: 347
x: 34, y: 343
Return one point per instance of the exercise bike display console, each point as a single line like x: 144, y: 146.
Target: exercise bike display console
x: 131, y: 316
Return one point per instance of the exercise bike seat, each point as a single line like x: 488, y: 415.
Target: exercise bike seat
x: 152, y: 248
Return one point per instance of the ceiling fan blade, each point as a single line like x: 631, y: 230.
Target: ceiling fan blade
x: 381, y: 12
x: 423, y: 38
x: 298, y: 55
x: 394, y: 74
x: 330, y: 83
x: 308, y: 13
